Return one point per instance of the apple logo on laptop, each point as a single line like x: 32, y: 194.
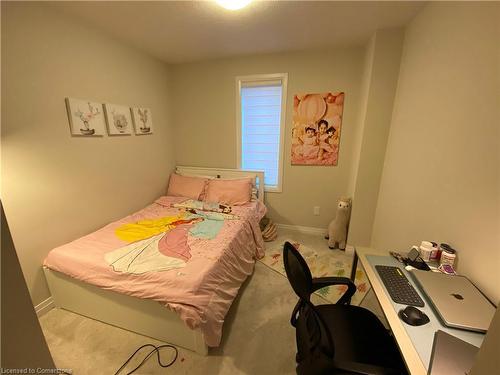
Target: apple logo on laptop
x: 457, y: 296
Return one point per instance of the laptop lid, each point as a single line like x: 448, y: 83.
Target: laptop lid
x: 456, y: 300
x: 451, y: 355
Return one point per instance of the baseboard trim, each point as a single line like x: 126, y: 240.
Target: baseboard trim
x: 302, y: 229
x: 44, y: 307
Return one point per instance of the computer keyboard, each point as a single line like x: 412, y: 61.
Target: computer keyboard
x: 398, y: 286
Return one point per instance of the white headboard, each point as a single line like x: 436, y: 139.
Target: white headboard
x: 226, y: 173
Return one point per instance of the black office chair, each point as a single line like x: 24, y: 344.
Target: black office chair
x: 336, y: 338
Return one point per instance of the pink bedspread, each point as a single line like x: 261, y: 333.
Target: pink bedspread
x: 201, y: 292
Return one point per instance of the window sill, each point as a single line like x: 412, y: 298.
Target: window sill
x: 277, y: 189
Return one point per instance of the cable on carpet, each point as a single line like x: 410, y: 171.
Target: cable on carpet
x: 155, y: 350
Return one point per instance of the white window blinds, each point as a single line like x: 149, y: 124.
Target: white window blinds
x: 261, y: 120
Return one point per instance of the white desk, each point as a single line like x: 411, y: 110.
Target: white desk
x: 409, y: 351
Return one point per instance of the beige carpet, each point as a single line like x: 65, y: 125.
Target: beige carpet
x: 257, y: 338
x: 321, y: 263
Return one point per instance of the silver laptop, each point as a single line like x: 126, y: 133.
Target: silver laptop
x: 451, y: 356
x: 457, y: 301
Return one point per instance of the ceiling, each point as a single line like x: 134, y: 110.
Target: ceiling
x: 186, y: 31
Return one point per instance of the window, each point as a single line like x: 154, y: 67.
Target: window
x: 261, y: 117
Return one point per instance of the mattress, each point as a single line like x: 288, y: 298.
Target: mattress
x: 200, y: 291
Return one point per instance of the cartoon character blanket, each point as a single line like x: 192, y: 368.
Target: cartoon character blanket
x: 162, y: 244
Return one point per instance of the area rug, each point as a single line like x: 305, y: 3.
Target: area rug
x: 322, y: 263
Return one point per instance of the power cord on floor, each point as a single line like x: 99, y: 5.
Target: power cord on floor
x: 155, y: 350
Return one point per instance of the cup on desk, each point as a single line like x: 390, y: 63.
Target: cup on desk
x: 425, y: 250
x: 436, y: 254
x: 448, y: 254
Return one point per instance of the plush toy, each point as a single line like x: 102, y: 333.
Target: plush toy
x: 337, y: 230
x: 268, y: 229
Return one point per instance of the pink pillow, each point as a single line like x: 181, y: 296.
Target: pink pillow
x: 232, y: 192
x: 183, y: 186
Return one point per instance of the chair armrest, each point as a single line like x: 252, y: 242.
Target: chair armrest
x: 321, y: 282
x: 365, y: 369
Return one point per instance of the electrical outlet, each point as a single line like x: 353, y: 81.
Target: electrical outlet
x: 316, y: 210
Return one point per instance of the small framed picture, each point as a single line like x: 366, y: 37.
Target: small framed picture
x: 118, y: 119
x: 85, y: 117
x: 143, y: 122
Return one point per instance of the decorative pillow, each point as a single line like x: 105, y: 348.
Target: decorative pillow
x: 187, y: 174
x: 255, y: 191
x: 232, y: 192
x: 183, y: 186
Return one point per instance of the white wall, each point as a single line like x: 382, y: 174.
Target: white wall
x: 55, y: 187
x: 441, y: 175
x: 366, y: 79
x: 205, y: 123
x: 381, y: 76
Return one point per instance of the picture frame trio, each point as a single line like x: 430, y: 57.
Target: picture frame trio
x: 89, y: 119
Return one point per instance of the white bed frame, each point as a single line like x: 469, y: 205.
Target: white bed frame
x: 143, y: 316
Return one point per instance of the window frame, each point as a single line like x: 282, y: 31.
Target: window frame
x: 283, y: 77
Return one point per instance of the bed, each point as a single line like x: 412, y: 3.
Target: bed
x: 184, y: 301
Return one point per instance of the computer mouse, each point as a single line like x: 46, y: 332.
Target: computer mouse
x: 413, y: 316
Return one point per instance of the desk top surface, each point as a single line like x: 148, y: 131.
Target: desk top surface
x: 414, y: 342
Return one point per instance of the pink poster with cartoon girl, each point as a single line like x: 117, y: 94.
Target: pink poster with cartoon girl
x: 317, y: 122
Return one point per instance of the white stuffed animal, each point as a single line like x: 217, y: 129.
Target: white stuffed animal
x: 337, y: 230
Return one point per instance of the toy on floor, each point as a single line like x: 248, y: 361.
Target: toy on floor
x: 337, y: 230
x: 268, y: 229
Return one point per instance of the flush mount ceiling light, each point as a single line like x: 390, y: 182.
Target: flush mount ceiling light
x: 233, y: 4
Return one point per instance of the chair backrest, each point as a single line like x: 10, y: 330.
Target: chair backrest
x: 309, y: 323
x: 297, y: 271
